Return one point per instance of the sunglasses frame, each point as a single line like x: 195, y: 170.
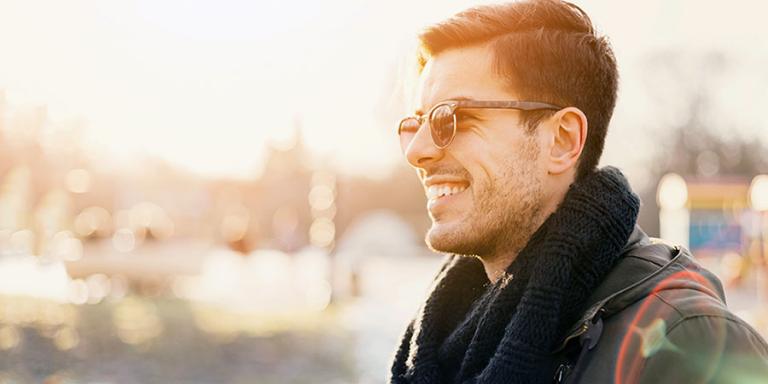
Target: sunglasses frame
x: 455, y: 105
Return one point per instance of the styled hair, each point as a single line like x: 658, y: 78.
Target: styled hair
x: 546, y: 50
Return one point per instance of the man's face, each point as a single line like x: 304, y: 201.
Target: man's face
x: 485, y: 190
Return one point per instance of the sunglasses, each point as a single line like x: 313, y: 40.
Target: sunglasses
x: 442, y: 118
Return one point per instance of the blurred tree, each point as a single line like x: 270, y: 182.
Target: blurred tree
x: 686, y: 87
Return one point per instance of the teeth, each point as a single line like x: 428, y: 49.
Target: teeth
x: 432, y: 192
x: 440, y: 190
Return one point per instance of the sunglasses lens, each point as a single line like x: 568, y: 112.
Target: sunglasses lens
x: 441, y: 125
x: 407, y: 130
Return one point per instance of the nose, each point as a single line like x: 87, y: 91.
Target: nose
x: 421, y: 150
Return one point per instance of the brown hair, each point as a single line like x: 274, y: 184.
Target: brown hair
x: 547, y: 50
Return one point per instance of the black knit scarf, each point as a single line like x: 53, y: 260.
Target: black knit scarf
x: 472, y: 331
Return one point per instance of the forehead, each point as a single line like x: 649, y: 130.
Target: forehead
x: 461, y: 72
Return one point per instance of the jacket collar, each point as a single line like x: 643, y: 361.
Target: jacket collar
x: 644, y: 265
x: 626, y: 271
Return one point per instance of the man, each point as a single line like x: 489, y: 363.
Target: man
x: 549, y: 278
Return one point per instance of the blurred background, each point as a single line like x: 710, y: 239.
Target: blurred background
x: 199, y: 191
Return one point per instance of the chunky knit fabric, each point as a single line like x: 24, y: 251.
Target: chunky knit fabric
x: 472, y: 331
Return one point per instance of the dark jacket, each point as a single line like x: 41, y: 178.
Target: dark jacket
x: 659, y: 317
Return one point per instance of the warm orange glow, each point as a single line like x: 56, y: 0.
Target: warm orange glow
x: 232, y: 167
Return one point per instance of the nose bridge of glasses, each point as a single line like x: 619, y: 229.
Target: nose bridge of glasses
x: 408, y: 135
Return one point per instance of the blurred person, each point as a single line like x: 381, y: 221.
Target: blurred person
x: 548, y: 278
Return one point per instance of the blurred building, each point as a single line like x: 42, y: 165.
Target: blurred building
x: 149, y: 221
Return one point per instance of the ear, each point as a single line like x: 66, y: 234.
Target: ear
x: 569, y: 133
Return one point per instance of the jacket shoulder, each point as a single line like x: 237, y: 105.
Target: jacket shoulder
x: 682, y: 331
x: 667, y: 322
x: 711, y: 348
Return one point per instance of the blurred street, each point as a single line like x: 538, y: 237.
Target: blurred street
x: 160, y: 338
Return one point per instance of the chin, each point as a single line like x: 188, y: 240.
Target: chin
x: 455, y: 239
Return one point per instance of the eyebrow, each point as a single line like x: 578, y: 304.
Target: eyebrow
x: 420, y: 112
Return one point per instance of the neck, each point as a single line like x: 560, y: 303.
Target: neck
x: 496, y: 264
x: 496, y: 268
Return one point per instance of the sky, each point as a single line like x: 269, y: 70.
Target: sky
x: 206, y: 85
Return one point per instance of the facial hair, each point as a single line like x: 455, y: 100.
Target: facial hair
x: 506, y: 211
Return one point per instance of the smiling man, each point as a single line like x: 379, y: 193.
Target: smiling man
x: 548, y: 278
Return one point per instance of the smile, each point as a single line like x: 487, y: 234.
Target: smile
x: 437, y: 191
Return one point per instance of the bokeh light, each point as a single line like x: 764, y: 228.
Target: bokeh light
x: 758, y: 193
x: 322, y: 232
x: 93, y: 221
x: 66, y: 338
x: 673, y: 192
x: 136, y: 321
x: 124, y: 240
x: 9, y: 337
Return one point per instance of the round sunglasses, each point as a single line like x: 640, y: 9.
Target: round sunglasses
x: 442, y: 118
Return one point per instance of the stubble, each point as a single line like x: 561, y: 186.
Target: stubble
x: 506, y: 212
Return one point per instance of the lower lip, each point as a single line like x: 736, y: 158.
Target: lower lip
x: 440, y: 202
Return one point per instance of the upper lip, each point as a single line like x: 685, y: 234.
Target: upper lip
x: 437, y: 179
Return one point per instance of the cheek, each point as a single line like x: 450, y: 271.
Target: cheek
x: 492, y: 168
x: 485, y: 182
x: 491, y: 162
x: 482, y: 174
